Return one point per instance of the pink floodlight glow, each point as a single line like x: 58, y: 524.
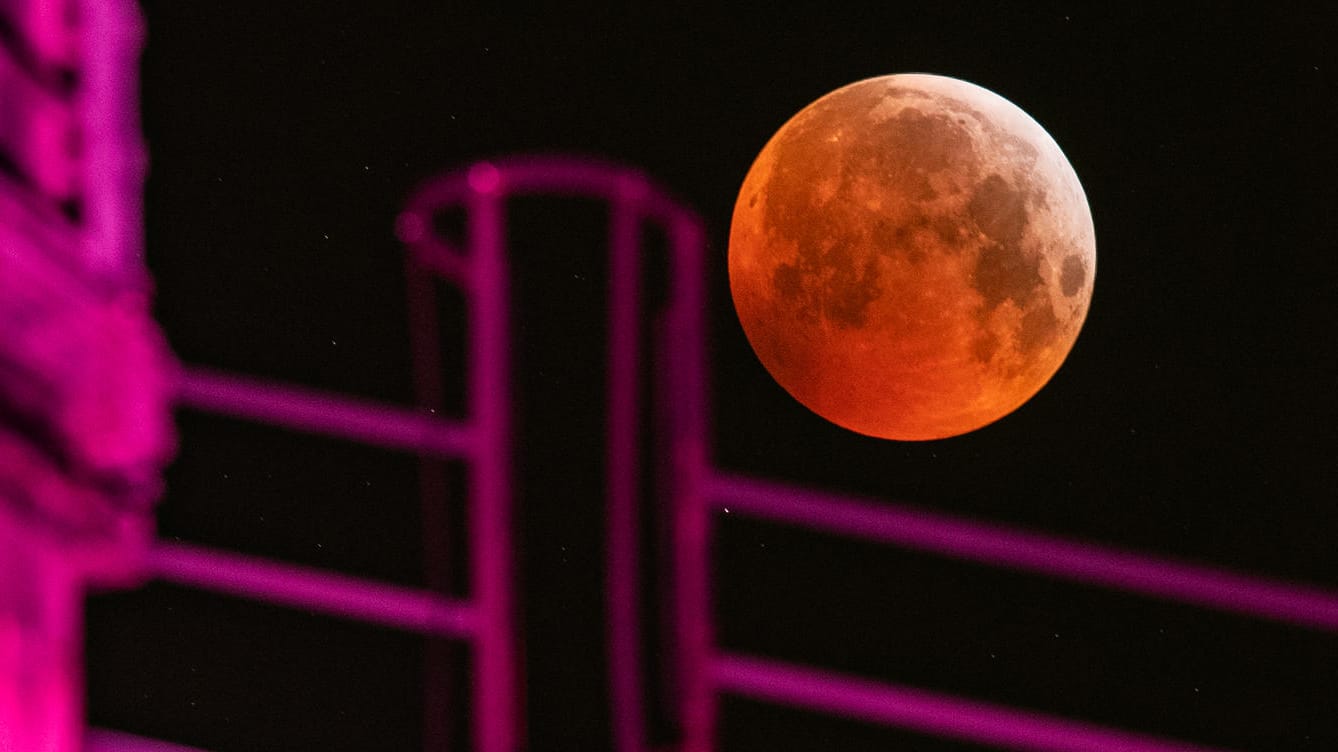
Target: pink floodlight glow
x: 85, y: 375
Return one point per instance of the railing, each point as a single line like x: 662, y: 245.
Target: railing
x: 718, y: 672
x: 481, y: 440
x: 103, y: 740
x: 696, y: 492
x: 633, y: 202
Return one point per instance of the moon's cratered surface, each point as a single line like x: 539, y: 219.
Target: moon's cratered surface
x: 912, y: 257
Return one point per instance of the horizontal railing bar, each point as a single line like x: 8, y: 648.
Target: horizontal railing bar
x: 313, y: 411
x: 997, y: 545
x: 925, y: 712
x: 554, y: 175
x: 312, y: 589
x: 103, y: 740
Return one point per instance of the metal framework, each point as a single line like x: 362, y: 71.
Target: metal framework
x: 79, y: 359
x: 85, y: 377
x: 695, y: 490
x: 481, y: 440
x: 992, y: 545
x: 633, y: 202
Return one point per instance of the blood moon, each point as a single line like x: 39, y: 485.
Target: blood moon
x: 912, y: 257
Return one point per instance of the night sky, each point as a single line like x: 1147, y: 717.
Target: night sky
x: 1195, y: 417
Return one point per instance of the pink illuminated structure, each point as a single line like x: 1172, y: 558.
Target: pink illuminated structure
x: 694, y: 491
x: 86, y: 381
x: 677, y: 343
x: 86, y: 384
x: 481, y: 441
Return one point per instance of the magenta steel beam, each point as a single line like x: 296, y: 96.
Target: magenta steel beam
x: 555, y: 175
x: 697, y: 704
x: 496, y: 671
x: 1001, y: 546
x: 924, y: 712
x: 480, y: 270
x: 623, y: 469
x: 314, y: 411
x: 314, y: 590
x: 104, y: 740
x: 425, y: 349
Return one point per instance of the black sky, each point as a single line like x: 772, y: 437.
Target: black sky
x: 1194, y: 418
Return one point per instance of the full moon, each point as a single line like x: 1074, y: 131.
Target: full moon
x: 911, y: 257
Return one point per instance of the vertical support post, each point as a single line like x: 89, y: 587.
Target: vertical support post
x: 425, y: 344
x: 496, y: 720
x: 622, y: 475
x: 692, y: 520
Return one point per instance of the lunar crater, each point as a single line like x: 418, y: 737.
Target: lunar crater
x: 1004, y: 272
x: 834, y: 285
x: 999, y: 211
x: 1072, y: 277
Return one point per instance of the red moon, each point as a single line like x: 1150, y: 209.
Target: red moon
x: 912, y: 257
